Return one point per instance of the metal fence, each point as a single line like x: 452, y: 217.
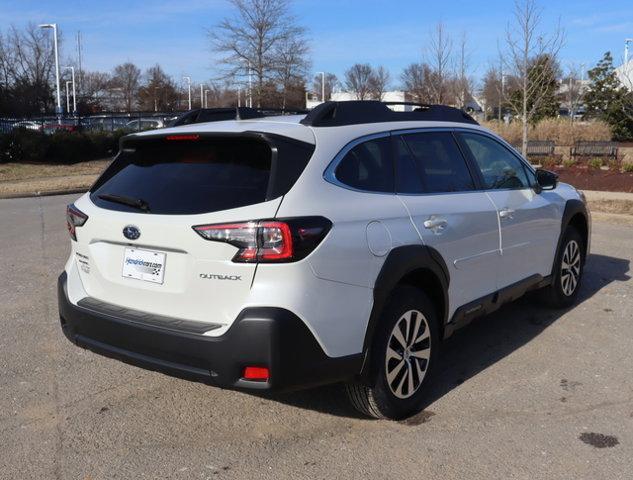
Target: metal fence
x: 102, y: 122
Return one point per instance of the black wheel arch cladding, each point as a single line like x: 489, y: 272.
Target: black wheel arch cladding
x: 575, y: 214
x: 404, y: 265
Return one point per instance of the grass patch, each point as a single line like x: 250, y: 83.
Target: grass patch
x: 612, y: 206
x: 12, y: 172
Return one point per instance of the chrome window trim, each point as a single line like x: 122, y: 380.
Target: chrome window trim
x: 330, y: 172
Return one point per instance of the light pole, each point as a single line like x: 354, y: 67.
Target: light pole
x: 206, y: 98
x: 322, y: 85
x: 72, y: 69
x: 250, y: 86
x: 59, y: 99
x: 188, y: 88
x: 201, y: 95
x: 67, y: 97
x: 626, y: 49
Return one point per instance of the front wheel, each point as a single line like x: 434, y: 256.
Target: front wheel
x: 567, y: 272
x: 403, y: 353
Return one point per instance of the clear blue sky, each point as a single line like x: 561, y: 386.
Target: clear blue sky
x: 342, y: 32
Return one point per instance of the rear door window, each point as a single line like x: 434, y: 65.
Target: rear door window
x: 188, y: 177
x: 440, y: 162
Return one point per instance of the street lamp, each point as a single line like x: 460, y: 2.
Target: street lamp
x: 201, y: 95
x: 626, y: 49
x: 206, y: 98
x: 189, y: 88
x: 67, y: 96
x: 59, y: 99
x: 72, y: 69
x: 250, y: 86
x: 322, y: 85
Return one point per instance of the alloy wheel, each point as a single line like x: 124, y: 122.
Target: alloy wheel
x: 570, y: 268
x: 408, y: 354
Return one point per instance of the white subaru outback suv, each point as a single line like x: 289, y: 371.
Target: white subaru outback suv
x: 339, y: 246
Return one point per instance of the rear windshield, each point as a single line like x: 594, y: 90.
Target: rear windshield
x: 187, y: 177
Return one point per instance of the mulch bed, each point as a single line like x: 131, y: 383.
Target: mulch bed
x: 595, y: 179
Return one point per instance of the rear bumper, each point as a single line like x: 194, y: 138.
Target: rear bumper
x: 266, y: 337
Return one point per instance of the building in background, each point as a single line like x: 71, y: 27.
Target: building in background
x: 625, y: 74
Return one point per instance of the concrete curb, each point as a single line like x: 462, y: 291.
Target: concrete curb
x: 44, y: 194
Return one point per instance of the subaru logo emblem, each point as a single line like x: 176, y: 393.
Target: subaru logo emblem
x: 131, y: 232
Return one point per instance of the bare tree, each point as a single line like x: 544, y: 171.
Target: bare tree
x: 439, y: 55
x: 492, y: 90
x: 126, y: 79
x: 292, y: 65
x: 251, y: 40
x: 331, y: 82
x: 94, y: 91
x: 416, y: 80
x: 379, y: 82
x: 572, y: 91
x: 159, y: 92
x: 358, y: 79
x: 463, y: 84
x: 27, y: 69
x: 525, y: 44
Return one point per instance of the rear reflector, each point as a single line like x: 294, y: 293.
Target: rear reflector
x: 256, y: 373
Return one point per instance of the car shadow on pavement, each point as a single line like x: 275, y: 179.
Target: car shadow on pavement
x: 480, y: 344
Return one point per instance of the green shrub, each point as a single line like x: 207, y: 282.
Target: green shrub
x: 548, y: 162
x: 69, y: 147
x: 627, y: 168
x: 595, y: 163
x: 29, y: 146
x: 569, y: 162
x: 23, y: 145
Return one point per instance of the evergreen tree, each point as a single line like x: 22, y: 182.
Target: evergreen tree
x: 543, y: 71
x: 608, y: 100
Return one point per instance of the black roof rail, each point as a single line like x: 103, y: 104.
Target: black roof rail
x: 354, y: 112
x: 201, y: 115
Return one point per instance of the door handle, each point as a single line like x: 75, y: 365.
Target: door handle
x: 435, y: 224
x: 506, y: 213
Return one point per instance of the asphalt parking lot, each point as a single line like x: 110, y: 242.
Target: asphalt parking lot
x: 525, y: 393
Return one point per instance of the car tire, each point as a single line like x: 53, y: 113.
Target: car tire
x: 567, y: 271
x: 403, y: 354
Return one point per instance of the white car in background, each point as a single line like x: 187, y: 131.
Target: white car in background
x: 145, y: 124
x: 339, y: 246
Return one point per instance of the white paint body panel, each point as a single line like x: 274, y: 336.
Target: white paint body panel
x: 332, y: 289
x: 469, y: 243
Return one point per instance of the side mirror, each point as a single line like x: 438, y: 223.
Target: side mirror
x: 546, y: 180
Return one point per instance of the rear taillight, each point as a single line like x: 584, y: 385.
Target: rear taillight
x: 74, y: 218
x: 286, y: 240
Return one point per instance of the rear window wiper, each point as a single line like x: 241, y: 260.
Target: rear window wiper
x: 124, y: 200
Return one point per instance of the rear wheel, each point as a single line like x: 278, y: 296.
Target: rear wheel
x: 403, y: 353
x: 567, y: 272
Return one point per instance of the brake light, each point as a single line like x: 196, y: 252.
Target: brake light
x: 183, y: 137
x: 74, y: 218
x: 269, y: 241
